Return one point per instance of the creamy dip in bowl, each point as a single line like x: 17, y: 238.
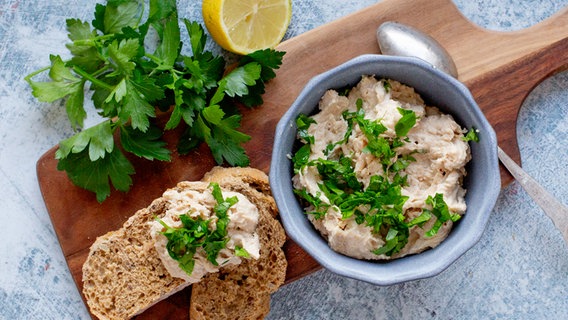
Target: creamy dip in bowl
x: 349, y: 256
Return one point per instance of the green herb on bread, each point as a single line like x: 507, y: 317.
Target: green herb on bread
x: 183, y: 242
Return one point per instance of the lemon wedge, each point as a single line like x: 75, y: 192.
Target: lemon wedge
x: 244, y: 26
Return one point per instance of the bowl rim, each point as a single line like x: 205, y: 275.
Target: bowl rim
x: 376, y: 272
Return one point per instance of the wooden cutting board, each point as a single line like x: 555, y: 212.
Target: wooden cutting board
x: 500, y: 68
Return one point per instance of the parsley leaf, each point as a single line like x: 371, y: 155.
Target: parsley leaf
x: 339, y: 173
x: 225, y: 142
x: 144, y: 144
x: 395, y: 240
x: 121, y: 54
x: 64, y: 84
x: 236, y: 83
x: 269, y: 60
x: 218, y: 239
x: 165, y: 20
x: 183, y: 242
x: 98, y: 139
x: 405, y: 123
x: 118, y: 14
x: 85, y: 54
x: 197, y: 37
x: 94, y: 175
x: 301, y: 157
x: 136, y: 109
x: 303, y: 123
x: 377, y: 144
x: 320, y: 207
x: 387, y: 86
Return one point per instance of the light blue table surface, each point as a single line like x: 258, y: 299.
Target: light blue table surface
x: 518, y: 270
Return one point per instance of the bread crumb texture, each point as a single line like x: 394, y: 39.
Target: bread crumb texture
x: 123, y: 274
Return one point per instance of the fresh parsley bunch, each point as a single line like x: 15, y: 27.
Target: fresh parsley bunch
x: 128, y: 81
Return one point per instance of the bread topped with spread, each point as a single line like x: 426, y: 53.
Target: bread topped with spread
x: 234, y: 257
x: 243, y: 291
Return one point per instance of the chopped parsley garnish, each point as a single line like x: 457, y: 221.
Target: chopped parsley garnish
x: 441, y: 211
x: 471, y: 135
x: 379, y: 205
x: 405, y: 123
x: 381, y: 146
x: 195, y: 233
x: 320, y: 207
x: 183, y: 242
x: 301, y: 157
x: 303, y: 122
x: 130, y: 75
x: 387, y: 86
x: 241, y: 252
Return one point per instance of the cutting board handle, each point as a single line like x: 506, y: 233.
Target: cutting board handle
x: 502, y: 68
x: 478, y: 51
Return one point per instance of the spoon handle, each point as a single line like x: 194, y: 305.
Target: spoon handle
x: 555, y: 210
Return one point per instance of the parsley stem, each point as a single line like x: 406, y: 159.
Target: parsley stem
x: 153, y: 58
x: 91, y: 78
x: 33, y: 74
x: 93, y: 41
x: 160, y: 64
x: 101, y: 71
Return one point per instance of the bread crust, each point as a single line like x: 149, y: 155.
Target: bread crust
x: 123, y: 274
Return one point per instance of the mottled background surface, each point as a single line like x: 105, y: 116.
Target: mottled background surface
x: 518, y: 270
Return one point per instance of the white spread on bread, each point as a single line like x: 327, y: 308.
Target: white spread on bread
x: 241, y: 230
x: 435, y: 142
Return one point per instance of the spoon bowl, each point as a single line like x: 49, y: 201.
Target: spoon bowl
x: 397, y: 39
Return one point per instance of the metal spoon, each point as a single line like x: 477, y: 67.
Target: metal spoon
x: 401, y: 40
x: 397, y: 39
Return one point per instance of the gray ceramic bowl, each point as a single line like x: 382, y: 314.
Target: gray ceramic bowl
x: 482, y: 182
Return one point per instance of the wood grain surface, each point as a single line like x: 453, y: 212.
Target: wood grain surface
x: 500, y: 69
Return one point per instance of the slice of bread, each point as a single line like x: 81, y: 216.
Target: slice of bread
x: 123, y: 274
x: 243, y: 291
